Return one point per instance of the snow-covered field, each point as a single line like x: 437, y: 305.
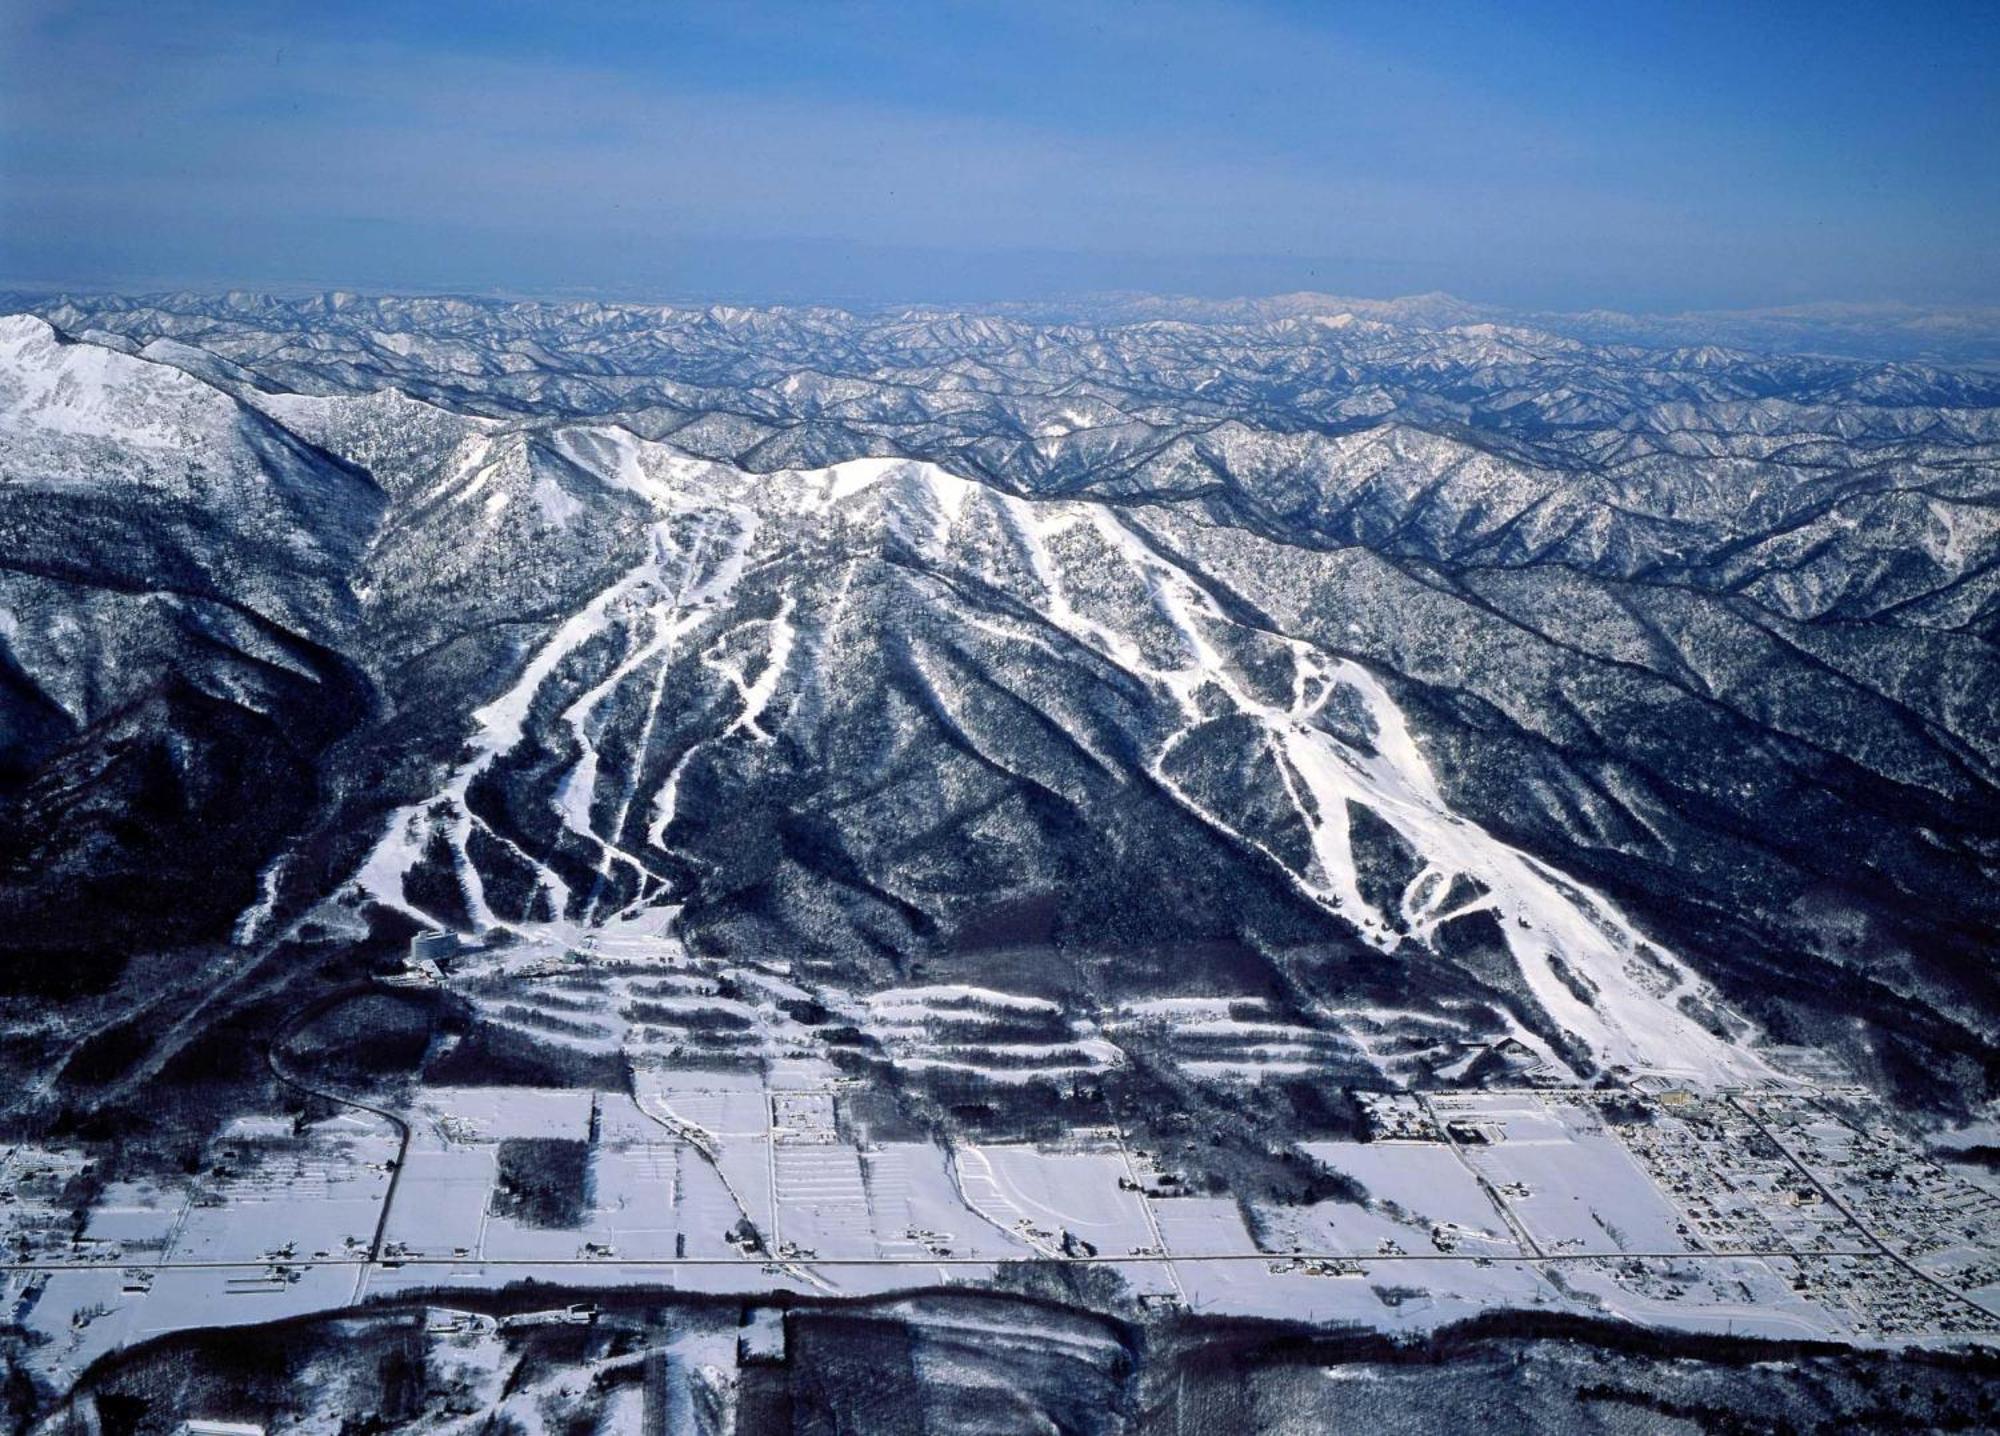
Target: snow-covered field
x: 1427, y: 1185
x: 1045, y: 1195
x: 1566, y: 1179
x: 1536, y: 1200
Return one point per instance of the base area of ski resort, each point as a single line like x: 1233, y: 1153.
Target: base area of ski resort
x: 756, y: 1165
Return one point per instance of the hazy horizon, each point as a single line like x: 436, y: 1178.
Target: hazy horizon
x: 1081, y: 301
x: 1556, y: 156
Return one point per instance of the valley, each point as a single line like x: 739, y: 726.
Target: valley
x: 1787, y: 1208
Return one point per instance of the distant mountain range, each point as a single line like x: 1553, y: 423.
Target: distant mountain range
x: 1935, y: 334
x: 1620, y: 692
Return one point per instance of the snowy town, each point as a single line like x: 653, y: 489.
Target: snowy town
x: 1788, y: 1208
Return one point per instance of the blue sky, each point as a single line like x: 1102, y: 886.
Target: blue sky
x: 1536, y: 154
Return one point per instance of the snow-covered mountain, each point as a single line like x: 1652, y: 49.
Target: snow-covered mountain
x: 1448, y: 686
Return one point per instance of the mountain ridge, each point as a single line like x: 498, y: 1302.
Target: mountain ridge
x: 1571, y: 655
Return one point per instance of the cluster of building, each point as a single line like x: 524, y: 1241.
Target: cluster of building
x: 1734, y: 1186
x: 1399, y: 1117
x: 1877, y: 1233
x: 45, y: 1193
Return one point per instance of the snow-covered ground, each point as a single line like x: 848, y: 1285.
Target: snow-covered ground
x: 1498, y: 1199
x: 1565, y: 1178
